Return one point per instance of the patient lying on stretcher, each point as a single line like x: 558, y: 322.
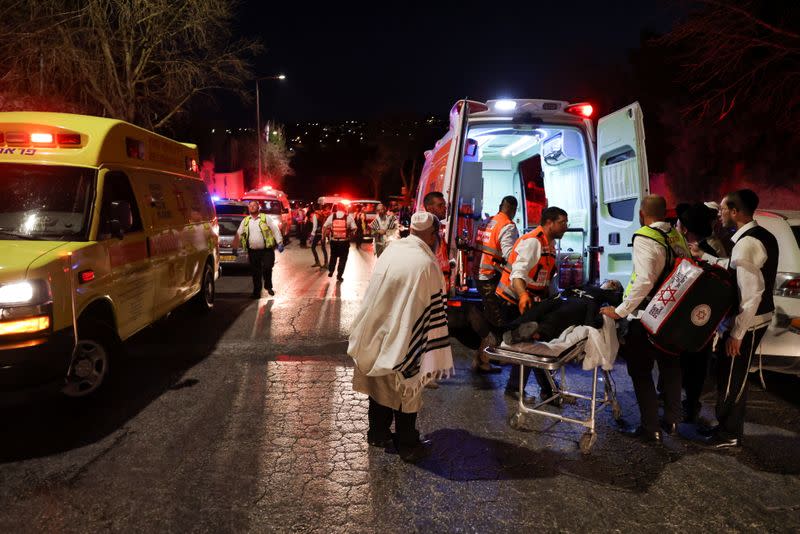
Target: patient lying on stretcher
x: 548, y: 318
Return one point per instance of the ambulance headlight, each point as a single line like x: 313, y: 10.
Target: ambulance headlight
x: 28, y: 292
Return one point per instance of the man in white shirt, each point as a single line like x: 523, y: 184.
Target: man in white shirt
x: 755, y: 261
x: 260, y: 236
x: 340, y: 227
x: 655, y: 247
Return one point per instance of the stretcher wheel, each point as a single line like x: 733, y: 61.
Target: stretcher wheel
x: 587, y: 441
x: 515, y: 422
x: 616, y: 410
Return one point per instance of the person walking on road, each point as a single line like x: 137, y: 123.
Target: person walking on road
x: 754, y: 259
x: 381, y: 227
x: 260, y: 236
x: 655, y: 246
x: 316, y: 218
x: 400, y: 339
x: 339, y: 227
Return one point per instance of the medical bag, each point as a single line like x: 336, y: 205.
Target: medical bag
x: 689, y: 305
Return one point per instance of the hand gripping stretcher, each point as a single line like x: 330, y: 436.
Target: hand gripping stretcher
x: 554, y: 357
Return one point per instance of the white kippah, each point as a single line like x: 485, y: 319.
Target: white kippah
x: 712, y: 205
x: 422, y: 220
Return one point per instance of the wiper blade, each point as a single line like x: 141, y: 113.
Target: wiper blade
x: 22, y: 236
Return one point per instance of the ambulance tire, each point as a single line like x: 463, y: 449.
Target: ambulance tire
x: 204, y: 300
x: 90, y: 370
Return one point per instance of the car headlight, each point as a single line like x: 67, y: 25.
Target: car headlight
x: 34, y: 292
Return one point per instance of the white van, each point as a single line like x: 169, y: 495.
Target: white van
x: 275, y: 204
x: 545, y: 153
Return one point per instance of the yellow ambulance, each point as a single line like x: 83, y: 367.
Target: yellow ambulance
x: 104, y: 228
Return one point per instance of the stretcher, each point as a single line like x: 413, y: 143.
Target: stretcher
x: 543, y: 356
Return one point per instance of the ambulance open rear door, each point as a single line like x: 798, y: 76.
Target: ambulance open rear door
x: 622, y: 182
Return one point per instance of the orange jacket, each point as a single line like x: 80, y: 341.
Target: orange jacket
x: 541, y: 274
x: 488, y: 242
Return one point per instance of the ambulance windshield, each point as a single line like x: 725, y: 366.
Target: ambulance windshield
x: 45, y: 202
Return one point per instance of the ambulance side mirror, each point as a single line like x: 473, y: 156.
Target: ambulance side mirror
x: 121, y: 218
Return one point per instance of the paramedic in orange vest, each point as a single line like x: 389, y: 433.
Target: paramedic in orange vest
x: 339, y: 227
x: 528, y: 278
x: 655, y: 246
x: 495, y: 240
x: 260, y: 236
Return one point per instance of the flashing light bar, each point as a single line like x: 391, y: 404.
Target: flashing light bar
x: 583, y: 110
x: 42, y: 138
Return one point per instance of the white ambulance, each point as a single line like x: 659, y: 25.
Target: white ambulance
x: 545, y: 153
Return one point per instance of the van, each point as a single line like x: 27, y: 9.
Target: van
x: 544, y: 153
x: 275, y: 204
x: 104, y: 228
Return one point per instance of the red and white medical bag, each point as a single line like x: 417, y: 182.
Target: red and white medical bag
x: 689, y: 306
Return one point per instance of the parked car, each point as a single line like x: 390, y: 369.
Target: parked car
x: 780, y: 348
x: 230, y: 214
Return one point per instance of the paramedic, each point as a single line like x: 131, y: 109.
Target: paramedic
x: 495, y: 240
x: 655, y: 246
x: 528, y: 277
x: 339, y: 227
x: 315, y: 217
x: 755, y: 260
x: 260, y: 236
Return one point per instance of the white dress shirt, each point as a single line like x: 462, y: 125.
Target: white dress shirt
x: 649, y: 259
x: 508, y: 236
x: 256, y: 240
x: 747, y: 257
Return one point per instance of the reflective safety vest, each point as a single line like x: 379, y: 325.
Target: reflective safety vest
x: 269, y: 239
x: 339, y: 230
x: 488, y: 242
x: 540, y: 275
x: 676, y: 247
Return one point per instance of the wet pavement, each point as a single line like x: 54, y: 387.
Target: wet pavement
x: 244, y: 420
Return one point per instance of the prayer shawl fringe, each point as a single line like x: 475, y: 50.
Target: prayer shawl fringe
x: 401, y: 328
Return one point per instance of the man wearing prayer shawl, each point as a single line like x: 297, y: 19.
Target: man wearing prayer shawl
x: 399, y: 341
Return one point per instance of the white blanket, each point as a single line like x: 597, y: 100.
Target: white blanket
x: 601, y: 346
x: 401, y: 328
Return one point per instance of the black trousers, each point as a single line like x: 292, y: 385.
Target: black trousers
x: 732, y: 385
x: 641, y: 357
x: 339, y: 251
x: 321, y: 242
x: 694, y: 369
x: 261, y: 263
x: 380, y: 422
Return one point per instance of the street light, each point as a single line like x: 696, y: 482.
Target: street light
x: 258, y: 117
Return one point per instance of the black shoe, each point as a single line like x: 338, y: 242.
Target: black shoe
x: 416, y: 453
x: 557, y: 402
x: 644, y: 435
x: 719, y: 442
x: 330, y: 274
x: 707, y: 431
x: 271, y: 292
x: 383, y: 443
x: 514, y: 394
x: 671, y: 429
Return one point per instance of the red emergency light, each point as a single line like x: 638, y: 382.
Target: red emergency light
x: 2, y: 138
x: 583, y: 110
x: 86, y: 276
x: 68, y: 139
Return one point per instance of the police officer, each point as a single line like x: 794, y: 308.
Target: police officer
x: 655, y: 246
x: 527, y: 278
x: 260, y: 236
x: 495, y: 240
x: 754, y: 259
x: 339, y: 227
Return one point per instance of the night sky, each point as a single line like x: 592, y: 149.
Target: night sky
x: 358, y: 62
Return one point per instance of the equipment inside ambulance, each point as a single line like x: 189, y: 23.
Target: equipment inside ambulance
x: 545, y: 153
x: 104, y: 228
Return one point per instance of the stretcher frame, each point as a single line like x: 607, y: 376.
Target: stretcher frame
x: 561, y: 395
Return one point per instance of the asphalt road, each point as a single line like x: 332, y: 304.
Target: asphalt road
x: 244, y: 420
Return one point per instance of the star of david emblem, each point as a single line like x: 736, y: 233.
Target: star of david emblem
x: 667, y: 295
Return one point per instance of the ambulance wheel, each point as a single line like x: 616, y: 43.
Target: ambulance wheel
x: 90, y: 366
x: 587, y: 442
x: 204, y: 300
x: 616, y: 410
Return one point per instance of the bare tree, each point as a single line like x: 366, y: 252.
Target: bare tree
x: 276, y: 159
x: 741, y: 51
x: 138, y: 60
